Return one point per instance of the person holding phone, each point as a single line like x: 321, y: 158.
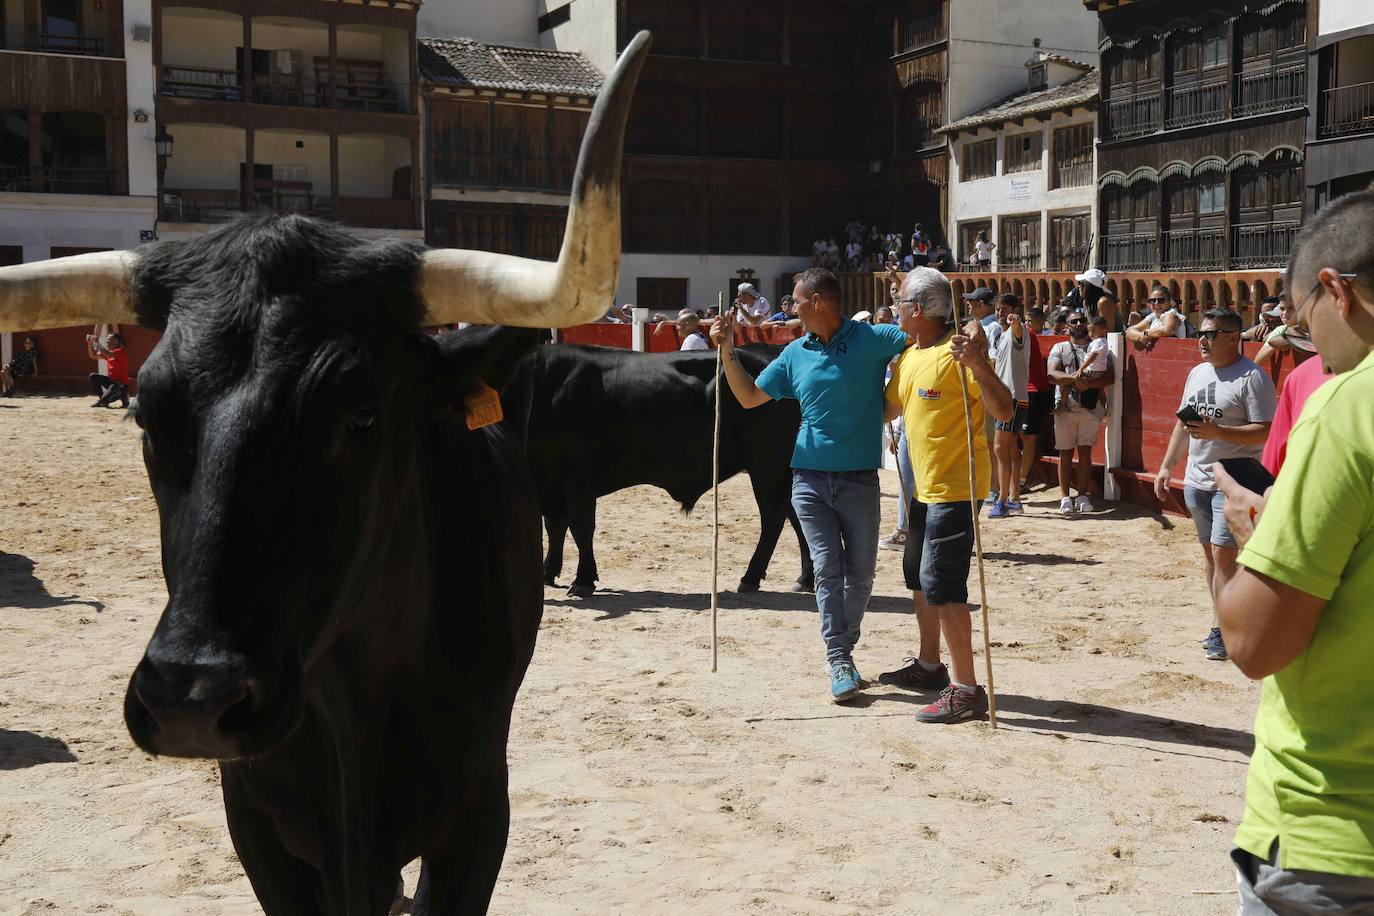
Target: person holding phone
x: 1228, y: 405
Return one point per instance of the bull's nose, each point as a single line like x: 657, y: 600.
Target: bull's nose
x: 192, y: 709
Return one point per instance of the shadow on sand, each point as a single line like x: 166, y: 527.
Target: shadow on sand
x: 20, y: 750
x: 615, y: 604
x: 21, y: 588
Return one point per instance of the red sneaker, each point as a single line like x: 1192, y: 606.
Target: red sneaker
x: 955, y: 704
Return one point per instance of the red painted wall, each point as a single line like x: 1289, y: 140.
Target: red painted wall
x: 62, y: 363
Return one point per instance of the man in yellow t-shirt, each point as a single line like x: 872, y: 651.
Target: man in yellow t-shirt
x: 925, y: 390
x: 1297, y: 614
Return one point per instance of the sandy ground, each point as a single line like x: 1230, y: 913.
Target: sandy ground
x: 641, y: 782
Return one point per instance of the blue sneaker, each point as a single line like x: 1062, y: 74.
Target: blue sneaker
x: 1014, y: 507
x: 998, y: 510
x: 844, y: 680
x: 1216, y: 649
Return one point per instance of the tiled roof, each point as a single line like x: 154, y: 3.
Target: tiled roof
x: 1083, y: 90
x: 464, y: 63
x: 1067, y: 61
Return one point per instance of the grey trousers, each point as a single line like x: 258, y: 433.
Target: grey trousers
x: 1266, y: 890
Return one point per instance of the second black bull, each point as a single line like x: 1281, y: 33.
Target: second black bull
x: 603, y: 419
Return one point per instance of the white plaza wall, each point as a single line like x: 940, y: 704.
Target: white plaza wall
x: 500, y: 21
x: 706, y: 275
x: 991, y: 40
x: 590, y: 29
x: 1338, y: 15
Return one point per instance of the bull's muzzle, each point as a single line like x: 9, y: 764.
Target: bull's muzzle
x: 217, y: 709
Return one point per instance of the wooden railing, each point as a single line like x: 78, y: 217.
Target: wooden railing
x: 917, y: 33
x: 89, y: 41
x: 1198, y: 103
x: 1241, y: 290
x: 1272, y: 89
x: 198, y: 205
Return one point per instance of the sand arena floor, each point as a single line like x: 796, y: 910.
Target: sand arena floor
x: 641, y: 782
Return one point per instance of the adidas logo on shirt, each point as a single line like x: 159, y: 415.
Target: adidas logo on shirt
x: 1204, y: 400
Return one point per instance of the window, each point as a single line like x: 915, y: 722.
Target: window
x: 1069, y: 239
x: 1038, y: 80
x: 1211, y: 196
x: 1023, y: 152
x: 1072, y: 162
x: 661, y: 294
x: 968, y: 237
x: 979, y: 160
x: 1018, y: 247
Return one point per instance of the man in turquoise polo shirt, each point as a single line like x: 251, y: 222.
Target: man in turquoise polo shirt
x: 1297, y: 613
x: 836, y: 372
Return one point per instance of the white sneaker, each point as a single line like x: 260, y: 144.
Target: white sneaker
x: 1066, y: 506
x: 894, y: 541
x: 1084, y: 504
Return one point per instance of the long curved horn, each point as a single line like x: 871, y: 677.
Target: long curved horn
x: 79, y: 289
x: 486, y: 288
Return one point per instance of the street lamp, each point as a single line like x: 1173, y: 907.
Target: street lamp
x: 163, y: 143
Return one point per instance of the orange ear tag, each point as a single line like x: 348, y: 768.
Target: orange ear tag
x: 483, y: 407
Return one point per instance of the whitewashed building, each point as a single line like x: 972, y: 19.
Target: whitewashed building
x: 1340, y: 125
x: 1023, y: 170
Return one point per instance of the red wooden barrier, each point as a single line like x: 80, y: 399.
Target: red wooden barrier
x: 62, y: 363
x: 601, y: 335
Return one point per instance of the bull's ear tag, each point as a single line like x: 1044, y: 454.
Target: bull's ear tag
x: 483, y: 407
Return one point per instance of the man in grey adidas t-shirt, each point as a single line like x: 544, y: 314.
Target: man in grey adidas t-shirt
x: 1236, y: 402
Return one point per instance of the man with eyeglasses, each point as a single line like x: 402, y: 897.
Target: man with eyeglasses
x: 1228, y: 405
x: 1164, y: 320
x: 1297, y: 614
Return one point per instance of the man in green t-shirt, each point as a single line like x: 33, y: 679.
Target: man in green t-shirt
x: 1298, y: 613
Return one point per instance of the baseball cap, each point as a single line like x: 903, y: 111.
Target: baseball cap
x: 981, y: 294
x: 747, y: 288
x: 1092, y: 275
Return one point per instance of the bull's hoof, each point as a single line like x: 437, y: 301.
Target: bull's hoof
x: 803, y: 585
x: 579, y: 590
x: 746, y: 587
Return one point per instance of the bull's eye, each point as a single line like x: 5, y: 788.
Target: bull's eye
x: 361, y: 419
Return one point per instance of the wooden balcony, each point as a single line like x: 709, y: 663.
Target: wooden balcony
x: 199, y: 205
x: 86, y: 41
x: 45, y: 179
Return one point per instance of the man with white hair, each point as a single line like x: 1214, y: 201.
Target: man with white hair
x: 688, y: 327
x: 927, y: 390
x: 751, y: 307
x: 836, y: 373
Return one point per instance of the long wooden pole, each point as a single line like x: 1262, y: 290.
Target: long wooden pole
x: 978, y: 544
x: 715, y: 497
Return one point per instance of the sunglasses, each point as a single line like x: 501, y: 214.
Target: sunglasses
x: 1158, y: 300
x: 1214, y: 334
x: 1077, y: 321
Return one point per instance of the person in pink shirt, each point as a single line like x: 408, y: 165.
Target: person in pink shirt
x: 1298, y: 386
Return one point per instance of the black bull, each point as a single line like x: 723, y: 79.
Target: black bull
x: 352, y: 598
x: 603, y: 419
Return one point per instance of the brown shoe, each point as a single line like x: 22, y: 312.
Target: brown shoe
x: 915, y: 677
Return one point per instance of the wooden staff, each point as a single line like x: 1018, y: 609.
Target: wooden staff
x: 978, y: 544
x: 715, y: 494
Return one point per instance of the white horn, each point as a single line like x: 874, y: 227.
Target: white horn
x: 486, y: 288
x: 80, y: 289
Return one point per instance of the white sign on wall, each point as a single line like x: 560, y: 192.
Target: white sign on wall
x: 1020, y: 189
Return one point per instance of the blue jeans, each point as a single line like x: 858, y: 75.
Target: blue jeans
x: 1208, y: 510
x: 907, y: 475
x: 839, y: 514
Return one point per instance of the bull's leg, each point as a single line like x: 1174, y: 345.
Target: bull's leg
x: 773, y: 500
x: 806, y: 582
x: 582, y: 521
x: 459, y: 880
x: 285, y: 886
x: 557, y: 527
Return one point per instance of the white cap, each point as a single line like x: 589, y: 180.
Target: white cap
x: 1094, y: 276
x: 747, y: 288
x: 863, y: 316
